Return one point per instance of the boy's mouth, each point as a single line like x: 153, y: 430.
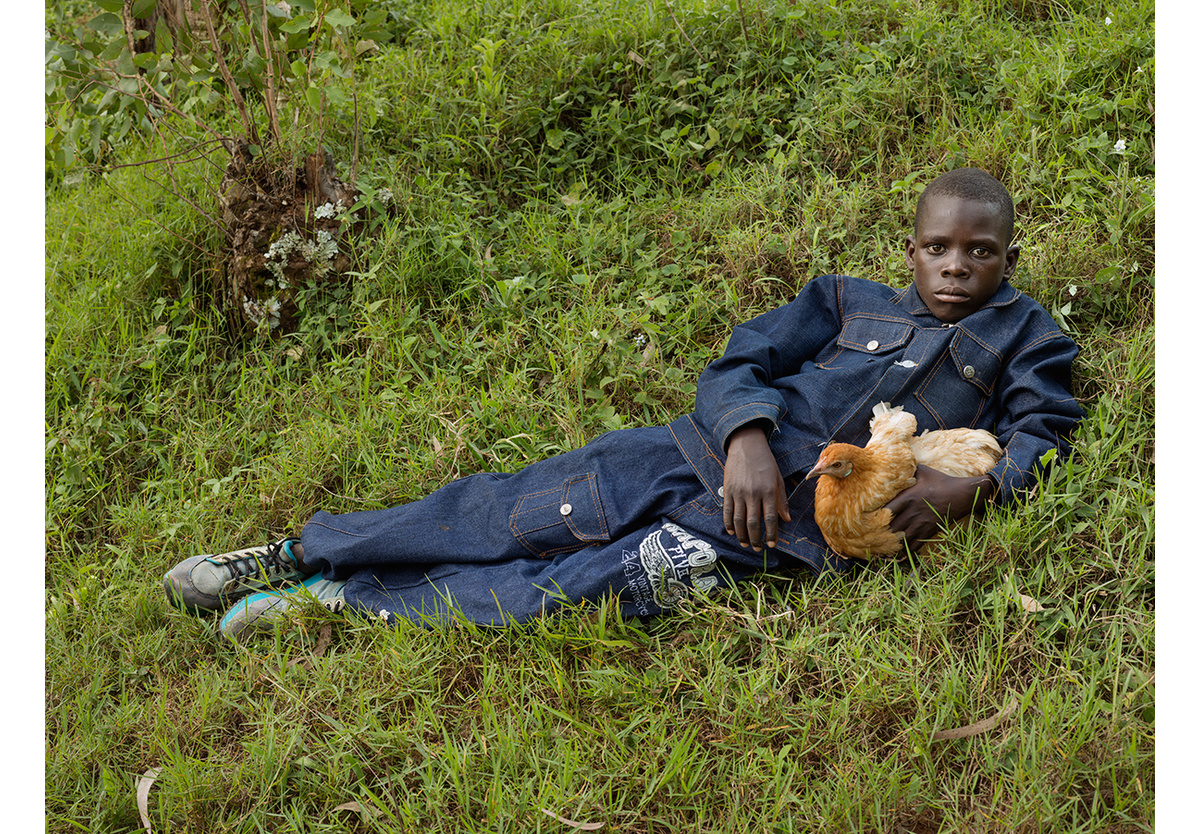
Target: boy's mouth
x: 951, y: 295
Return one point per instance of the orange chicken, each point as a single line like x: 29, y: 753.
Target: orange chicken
x: 856, y: 482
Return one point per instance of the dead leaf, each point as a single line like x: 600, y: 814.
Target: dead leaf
x: 143, y: 794
x: 979, y: 726
x: 437, y: 447
x: 637, y: 59
x: 324, y: 638
x: 1031, y: 605
x: 581, y: 826
x: 569, y: 199
x: 358, y: 808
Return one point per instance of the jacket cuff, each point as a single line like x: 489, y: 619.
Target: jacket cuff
x: 740, y: 416
x: 1017, y: 470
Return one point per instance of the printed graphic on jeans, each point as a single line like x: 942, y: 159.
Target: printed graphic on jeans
x: 671, y: 561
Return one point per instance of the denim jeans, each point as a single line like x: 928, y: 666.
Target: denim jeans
x: 624, y: 515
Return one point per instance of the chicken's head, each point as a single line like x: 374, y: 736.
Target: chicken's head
x: 837, y: 461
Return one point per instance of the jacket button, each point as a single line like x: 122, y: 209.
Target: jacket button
x: 871, y: 345
x: 565, y: 509
x: 720, y: 492
x: 968, y: 371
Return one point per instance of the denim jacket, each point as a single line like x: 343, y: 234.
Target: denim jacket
x: 814, y: 369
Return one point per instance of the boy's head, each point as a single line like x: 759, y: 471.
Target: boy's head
x: 961, y: 248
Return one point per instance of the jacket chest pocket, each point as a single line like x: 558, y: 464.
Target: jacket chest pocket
x: 962, y: 382
x: 561, y: 519
x: 975, y: 363
x: 862, y: 338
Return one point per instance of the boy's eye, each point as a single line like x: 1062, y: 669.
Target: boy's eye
x: 935, y: 248
x: 981, y: 251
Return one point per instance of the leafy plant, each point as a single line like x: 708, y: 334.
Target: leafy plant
x: 212, y: 67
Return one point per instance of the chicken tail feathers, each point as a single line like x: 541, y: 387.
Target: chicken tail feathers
x: 891, y: 424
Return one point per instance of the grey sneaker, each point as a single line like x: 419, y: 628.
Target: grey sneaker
x: 213, y: 582
x: 267, y: 609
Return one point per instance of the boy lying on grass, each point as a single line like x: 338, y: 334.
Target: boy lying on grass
x: 716, y: 496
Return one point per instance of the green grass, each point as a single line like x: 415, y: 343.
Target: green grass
x: 501, y: 323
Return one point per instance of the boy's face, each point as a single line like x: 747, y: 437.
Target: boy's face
x: 959, y: 256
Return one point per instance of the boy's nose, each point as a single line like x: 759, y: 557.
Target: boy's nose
x: 956, y: 264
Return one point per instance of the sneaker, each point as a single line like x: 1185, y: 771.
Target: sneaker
x: 267, y: 609
x: 211, y: 583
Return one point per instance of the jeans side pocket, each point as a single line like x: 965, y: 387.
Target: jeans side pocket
x: 560, y: 519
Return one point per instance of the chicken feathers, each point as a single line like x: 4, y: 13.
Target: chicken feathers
x: 856, y: 482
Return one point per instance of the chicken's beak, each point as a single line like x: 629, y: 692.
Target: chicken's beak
x: 816, y: 471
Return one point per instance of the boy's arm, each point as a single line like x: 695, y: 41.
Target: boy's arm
x: 1037, y: 413
x: 739, y: 387
x: 736, y: 399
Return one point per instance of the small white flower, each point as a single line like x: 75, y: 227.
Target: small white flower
x: 1108, y: 21
x: 1119, y: 147
x: 384, y: 614
x: 385, y: 196
x: 1138, y: 71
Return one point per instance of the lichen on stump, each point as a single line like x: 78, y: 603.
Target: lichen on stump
x: 283, y: 233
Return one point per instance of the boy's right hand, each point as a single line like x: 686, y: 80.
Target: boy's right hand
x: 755, y: 495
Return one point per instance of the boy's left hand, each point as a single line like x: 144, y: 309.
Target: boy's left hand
x: 919, y: 512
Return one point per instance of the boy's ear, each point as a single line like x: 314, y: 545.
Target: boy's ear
x: 1010, y: 260
x: 910, y: 251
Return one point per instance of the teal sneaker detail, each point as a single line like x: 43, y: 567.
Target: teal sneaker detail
x: 214, y: 582
x: 269, y: 608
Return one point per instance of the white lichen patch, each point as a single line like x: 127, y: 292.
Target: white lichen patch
x: 318, y: 254
x: 262, y: 311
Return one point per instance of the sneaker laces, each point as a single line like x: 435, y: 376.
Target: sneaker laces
x: 270, y: 560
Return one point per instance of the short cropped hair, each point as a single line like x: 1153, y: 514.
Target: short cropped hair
x: 970, y: 184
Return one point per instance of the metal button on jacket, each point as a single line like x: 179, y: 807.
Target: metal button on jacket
x: 968, y: 371
x: 871, y: 345
x: 565, y: 509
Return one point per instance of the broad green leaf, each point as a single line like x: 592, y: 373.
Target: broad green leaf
x: 106, y: 24
x: 338, y: 19
x: 142, y: 8
x: 300, y: 23
x: 313, y: 96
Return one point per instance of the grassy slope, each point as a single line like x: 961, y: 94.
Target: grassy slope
x: 503, y: 323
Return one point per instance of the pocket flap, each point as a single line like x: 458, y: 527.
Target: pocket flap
x: 581, y: 508
x: 872, y: 335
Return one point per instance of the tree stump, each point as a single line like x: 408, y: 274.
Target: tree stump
x: 283, y: 233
